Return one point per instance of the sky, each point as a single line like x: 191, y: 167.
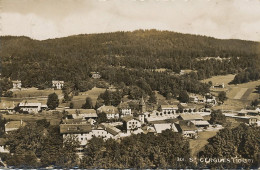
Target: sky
x: 44, y: 19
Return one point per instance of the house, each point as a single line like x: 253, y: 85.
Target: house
x: 95, y: 75
x: 17, y: 84
x: 196, y: 99
x: 56, y: 84
x: 110, y: 111
x: 219, y: 85
x: 3, y: 146
x: 82, y: 113
x: 13, y: 125
x: 31, y: 107
x: 196, y: 119
x: 81, y: 132
x: 112, y: 131
x: 187, y: 128
x: 74, y: 121
x: 130, y: 123
x: 124, y: 109
x: 168, y: 109
x: 249, y: 112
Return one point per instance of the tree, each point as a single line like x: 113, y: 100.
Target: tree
x: 53, y: 101
x: 152, y: 98
x: 88, y: 104
x: 102, y: 117
x: 184, y: 97
x: 222, y: 96
x: 255, y: 102
x: 217, y: 117
x: 71, y: 105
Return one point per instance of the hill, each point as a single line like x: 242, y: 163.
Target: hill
x: 73, y: 58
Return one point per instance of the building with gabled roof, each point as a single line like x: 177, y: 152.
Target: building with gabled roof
x: 190, y: 117
x: 32, y: 107
x: 124, y: 109
x: 130, y: 123
x: 187, y: 128
x: 110, y: 111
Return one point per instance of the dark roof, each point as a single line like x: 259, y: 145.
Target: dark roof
x: 80, y: 111
x: 73, y: 121
x: 127, y: 118
x: 110, y: 129
x: 123, y: 105
x: 75, y: 128
x: 191, y: 117
x: 164, y: 121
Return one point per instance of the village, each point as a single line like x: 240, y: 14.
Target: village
x: 111, y: 122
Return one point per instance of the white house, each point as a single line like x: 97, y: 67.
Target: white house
x: 57, y: 84
x: 125, y: 110
x: 17, y: 84
x: 95, y: 75
x: 110, y: 111
x: 130, y: 123
x: 187, y: 128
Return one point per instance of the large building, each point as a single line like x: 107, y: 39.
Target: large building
x: 130, y: 123
x: 31, y: 107
x: 169, y: 109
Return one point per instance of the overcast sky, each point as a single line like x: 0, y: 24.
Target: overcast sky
x: 43, y: 19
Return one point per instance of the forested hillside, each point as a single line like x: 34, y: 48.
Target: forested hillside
x: 73, y: 58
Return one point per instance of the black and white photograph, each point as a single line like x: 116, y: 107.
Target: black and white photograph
x: 129, y: 84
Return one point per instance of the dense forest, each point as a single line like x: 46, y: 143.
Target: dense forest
x: 242, y: 142
x: 72, y: 58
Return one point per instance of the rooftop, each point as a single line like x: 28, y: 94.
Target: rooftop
x: 75, y: 128
x: 108, y: 109
x: 191, y: 117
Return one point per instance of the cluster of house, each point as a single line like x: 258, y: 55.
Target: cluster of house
x: 84, y: 124
x: 207, y: 99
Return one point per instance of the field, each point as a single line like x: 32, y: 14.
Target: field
x: 81, y: 98
x: 197, y: 144
x: 30, y: 95
x: 53, y: 118
x: 239, y: 96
